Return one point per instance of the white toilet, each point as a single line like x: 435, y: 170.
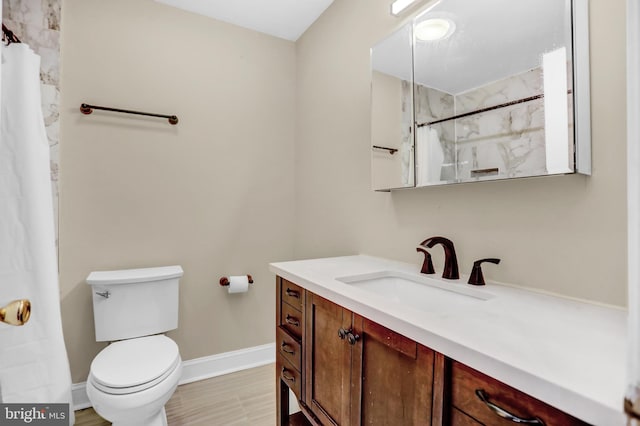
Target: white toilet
x: 131, y: 380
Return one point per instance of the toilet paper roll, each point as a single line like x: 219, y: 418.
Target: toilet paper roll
x: 238, y: 284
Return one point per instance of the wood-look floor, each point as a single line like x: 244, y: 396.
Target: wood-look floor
x: 244, y: 398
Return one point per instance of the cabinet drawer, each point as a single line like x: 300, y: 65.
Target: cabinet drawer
x: 289, y: 375
x: 289, y: 347
x: 291, y: 320
x: 467, y: 383
x: 292, y: 294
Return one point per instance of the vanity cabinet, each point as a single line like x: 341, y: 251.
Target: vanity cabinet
x: 346, y: 369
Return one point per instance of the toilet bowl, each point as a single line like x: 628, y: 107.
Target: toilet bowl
x: 132, y: 379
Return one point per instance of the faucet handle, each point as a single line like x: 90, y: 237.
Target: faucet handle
x: 476, y: 277
x: 427, y: 265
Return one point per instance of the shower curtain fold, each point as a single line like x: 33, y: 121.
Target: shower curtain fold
x: 34, y: 367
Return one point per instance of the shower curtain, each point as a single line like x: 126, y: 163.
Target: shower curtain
x: 34, y: 367
x: 429, y: 156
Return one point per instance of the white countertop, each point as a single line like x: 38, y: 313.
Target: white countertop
x: 567, y: 353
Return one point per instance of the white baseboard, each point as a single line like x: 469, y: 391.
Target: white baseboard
x: 79, y: 396
x: 227, y: 362
x: 202, y: 368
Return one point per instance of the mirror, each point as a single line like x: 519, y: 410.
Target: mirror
x: 496, y: 91
x: 392, y: 122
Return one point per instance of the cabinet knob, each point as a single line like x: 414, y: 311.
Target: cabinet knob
x: 352, y: 338
x: 342, y: 333
x: 501, y: 412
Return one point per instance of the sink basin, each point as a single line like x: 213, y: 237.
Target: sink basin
x: 417, y: 291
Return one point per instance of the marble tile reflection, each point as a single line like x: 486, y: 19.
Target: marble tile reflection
x: 503, y: 142
x: 432, y: 104
x: 510, y: 139
x: 513, y: 88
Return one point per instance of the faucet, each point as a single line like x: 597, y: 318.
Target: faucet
x: 450, y: 259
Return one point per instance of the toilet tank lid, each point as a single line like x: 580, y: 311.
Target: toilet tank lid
x: 127, y: 276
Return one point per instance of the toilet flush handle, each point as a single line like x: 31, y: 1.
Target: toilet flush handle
x: 104, y: 294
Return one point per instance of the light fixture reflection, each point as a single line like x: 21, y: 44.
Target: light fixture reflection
x: 399, y: 5
x: 434, y: 29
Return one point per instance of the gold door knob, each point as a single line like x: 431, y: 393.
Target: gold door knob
x: 16, y: 312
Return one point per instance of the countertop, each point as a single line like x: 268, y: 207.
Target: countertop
x: 568, y: 353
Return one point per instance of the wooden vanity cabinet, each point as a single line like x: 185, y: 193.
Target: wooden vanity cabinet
x: 359, y: 372
x: 348, y: 370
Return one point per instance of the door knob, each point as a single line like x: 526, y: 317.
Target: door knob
x: 16, y: 312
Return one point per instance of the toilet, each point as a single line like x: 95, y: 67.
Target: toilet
x: 132, y: 379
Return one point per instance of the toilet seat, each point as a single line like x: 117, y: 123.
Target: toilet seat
x: 133, y: 365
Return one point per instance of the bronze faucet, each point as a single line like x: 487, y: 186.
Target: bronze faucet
x: 450, y: 259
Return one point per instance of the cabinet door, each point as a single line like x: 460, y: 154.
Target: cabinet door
x: 392, y: 377
x: 327, y: 361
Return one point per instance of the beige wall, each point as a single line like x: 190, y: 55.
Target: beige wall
x: 562, y: 234
x: 213, y: 194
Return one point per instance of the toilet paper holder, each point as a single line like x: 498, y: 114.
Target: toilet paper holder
x: 224, y: 281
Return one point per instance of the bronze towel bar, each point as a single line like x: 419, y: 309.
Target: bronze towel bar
x: 391, y: 150
x: 88, y: 109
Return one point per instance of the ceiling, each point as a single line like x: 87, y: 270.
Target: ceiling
x: 287, y: 19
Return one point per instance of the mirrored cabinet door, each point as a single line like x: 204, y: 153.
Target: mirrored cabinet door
x: 392, y: 159
x: 492, y: 90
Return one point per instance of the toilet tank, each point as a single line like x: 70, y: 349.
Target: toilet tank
x: 134, y: 302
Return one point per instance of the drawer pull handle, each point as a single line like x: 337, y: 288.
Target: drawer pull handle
x: 286, y: 376
x: 293, y: 293
x: 501, y: 412
x: 285, y: 349
x: 292, y: 320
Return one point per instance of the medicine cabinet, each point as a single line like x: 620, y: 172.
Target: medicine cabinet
x: 474, y: 90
